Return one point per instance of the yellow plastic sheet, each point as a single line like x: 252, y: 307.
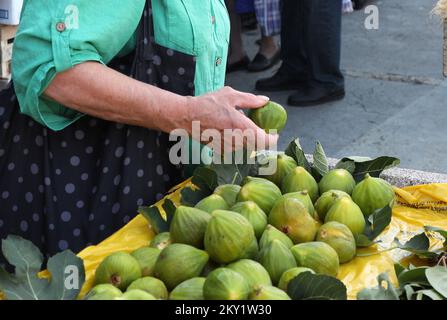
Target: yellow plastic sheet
x: 416, y: 207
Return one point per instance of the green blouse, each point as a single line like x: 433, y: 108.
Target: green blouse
x: 55, y: 35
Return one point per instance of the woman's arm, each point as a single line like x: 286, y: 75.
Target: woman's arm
x: 99, y: 91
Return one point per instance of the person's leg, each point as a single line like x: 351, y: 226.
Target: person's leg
x: 237, y: 58
x: 322, y: 42
x: 292, y: 72
x: 292, y: 33
x: 268, y: 15
x: 322, y: 39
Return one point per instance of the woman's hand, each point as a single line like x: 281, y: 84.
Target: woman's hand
x: 99, y: 91
x: 217, y: 113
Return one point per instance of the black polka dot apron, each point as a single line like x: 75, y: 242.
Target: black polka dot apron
x: 73, y: 188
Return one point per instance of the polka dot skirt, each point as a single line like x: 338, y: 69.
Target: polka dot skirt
x: 72, y: 188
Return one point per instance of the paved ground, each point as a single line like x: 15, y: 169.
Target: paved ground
x: 396, y: 95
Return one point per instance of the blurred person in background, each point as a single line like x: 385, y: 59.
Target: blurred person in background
x: 347, y: 6
x: 269, y: 19
x: 310, y: 50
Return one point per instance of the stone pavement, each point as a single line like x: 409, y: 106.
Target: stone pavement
x: 396, y: 101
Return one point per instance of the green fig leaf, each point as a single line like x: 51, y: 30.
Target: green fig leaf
x: 205, y: 178
x: 413, y: 276
x: 320, y: 164
x: 379, y: 221
x: 308, y: 286
x: 205, y: 181
x: 66, y: 269
x: 375, y: 224
x: 22, y: 254
x: 191, y: 196
x: 155, y: 219
x: 62, y: 286
x: 420, y: 246
x: 295, y: 151
x: 431, y: 294
x: 398, y: 269
x: 419, y: 243
x: 233, y: 173
x: 359, y: 167
x: 362, y: 241
x: 381, y: 292
x: 169, y: 208
x: 437, y: 277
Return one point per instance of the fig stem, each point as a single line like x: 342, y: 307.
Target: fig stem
x: 375, y: 253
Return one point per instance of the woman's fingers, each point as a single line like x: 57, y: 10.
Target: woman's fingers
x: 247, y: 134
x: 263, y: 140
x: 250, y: 101
x: 244, y: 100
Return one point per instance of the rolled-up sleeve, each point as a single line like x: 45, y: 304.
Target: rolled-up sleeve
x: 55, y: 35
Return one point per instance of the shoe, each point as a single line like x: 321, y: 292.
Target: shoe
x: 313, y: 96
x: 261, y: 62
x: 239, y: 65
x: 280, y: 81
x: 360, y: 4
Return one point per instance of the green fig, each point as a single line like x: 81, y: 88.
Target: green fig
x: 291, y: 217
x: 104, y: 292
x: 225, y: 284
x: 136, y: 295
x: 252, y: 251
x: 119, y: 269
x: 248, y: 179
x: 179, y: 262
x: 290, y: 274
x: 300, y: 180
x: 251, y: 211
x: 266, y: 292
x: 348, y: 213
x: 317, y: 256
x: 252, y: 271
x: 305, y: 199
x: 161, y: 241
x: 271, y: 233
x: 210, y: 266
x: 191, y: 289
x: 337, y: 179
x: 211, y: 203
x: 340, y: 238
x: 228, y: 192
x: 228, y: 236
x: 151, y: 285
x: 270, y: 117
x: 146, y: 257
x: 327, y: 200
x: 261, y: 191
x: 372, y: 194
x: 284, y: 165
x: 276, y: 258
x: 188, y: 226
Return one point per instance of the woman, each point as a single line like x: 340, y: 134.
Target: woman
x: 268, y: 15
x: 97, y: 84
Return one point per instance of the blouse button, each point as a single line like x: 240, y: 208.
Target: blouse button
x: 218, y: 62
x: 213, y: 19
x: 60, y: 26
